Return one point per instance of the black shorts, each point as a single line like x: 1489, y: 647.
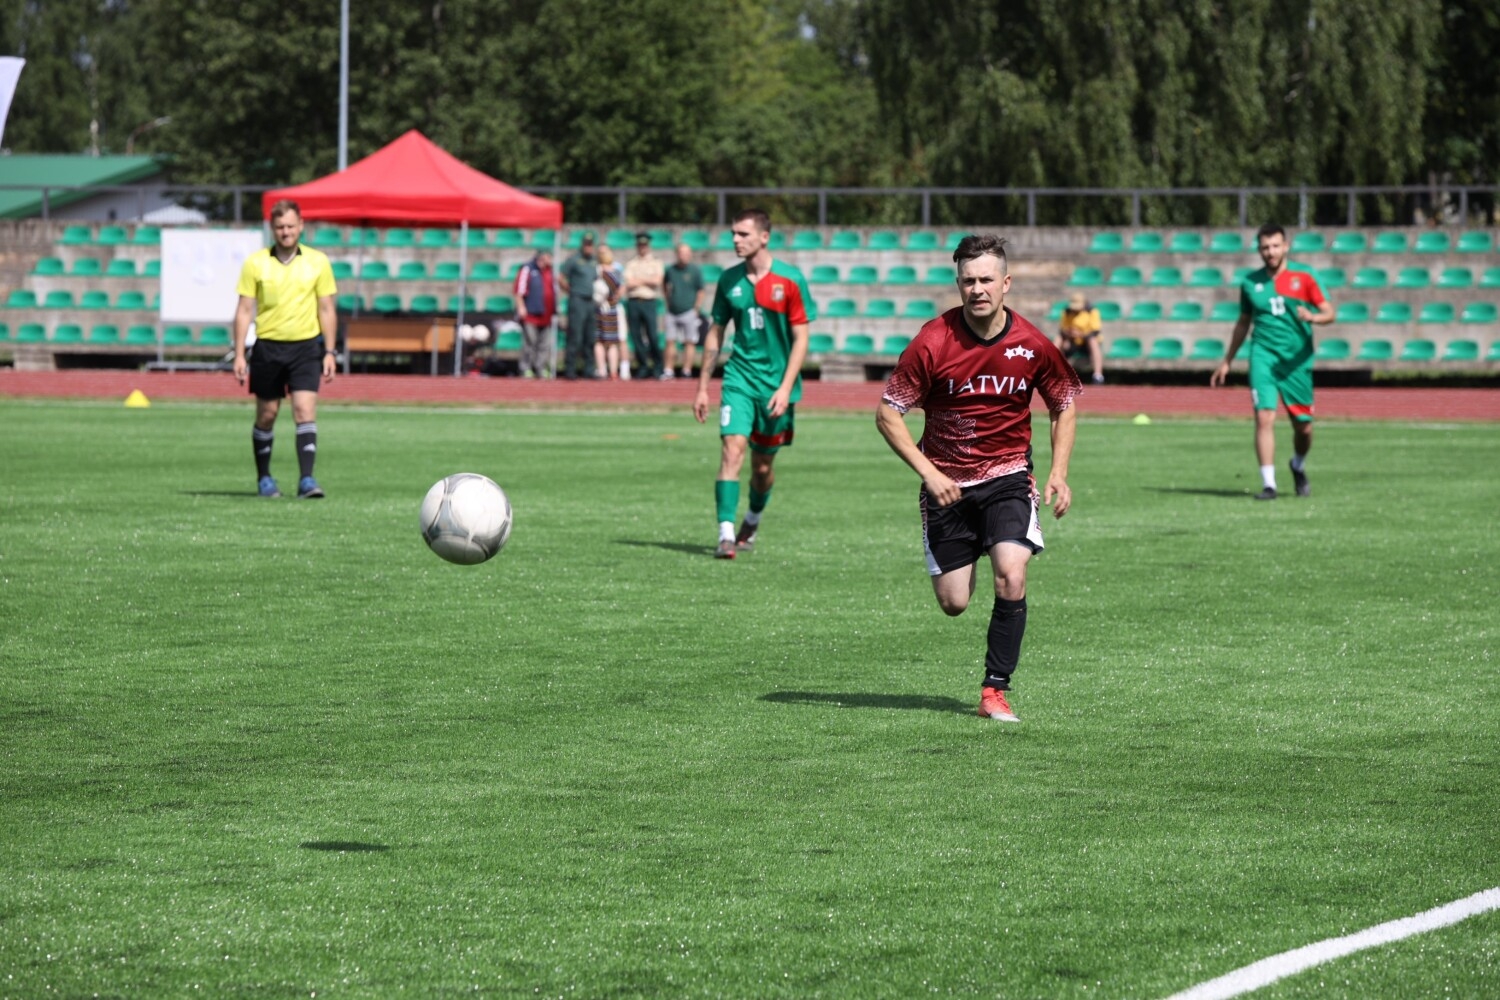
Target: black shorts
x: 281, y: 366
x: 999, y: 510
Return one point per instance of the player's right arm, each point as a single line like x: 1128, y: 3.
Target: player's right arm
x: 710, y: 360
x: 1241, y: 331
x: 244, y: 314
x: 891, y: 423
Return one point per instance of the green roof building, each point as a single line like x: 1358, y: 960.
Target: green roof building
x: 45, y: 185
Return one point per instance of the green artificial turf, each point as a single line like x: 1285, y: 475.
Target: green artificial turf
x: 279, y: 748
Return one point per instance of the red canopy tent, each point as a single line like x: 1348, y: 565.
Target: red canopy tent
x: 412, y: 181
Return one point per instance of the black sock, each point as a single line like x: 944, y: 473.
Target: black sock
x: 1007, y: 626
x: 307, y: 448
x: 262, y: 440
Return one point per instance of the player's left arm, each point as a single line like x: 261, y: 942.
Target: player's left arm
x: 1056, y: 492
x: 782, y: 397
x: 328, y: 322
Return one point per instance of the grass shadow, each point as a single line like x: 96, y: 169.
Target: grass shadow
x: 1198, y: 491
x: 683, y: 547
x: 238, y: 494
x: 342, y: 846
x: 910, y: 702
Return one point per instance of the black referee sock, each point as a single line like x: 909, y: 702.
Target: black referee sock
x: 262, y: 440
x: 1007, y: 626
x: 307, y: 448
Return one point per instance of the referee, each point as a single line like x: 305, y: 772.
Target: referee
x: 288, y: 290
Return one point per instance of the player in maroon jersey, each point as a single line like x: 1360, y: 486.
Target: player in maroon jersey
x: 972, y: 371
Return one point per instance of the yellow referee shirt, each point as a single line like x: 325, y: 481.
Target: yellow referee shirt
x: 286, y: 295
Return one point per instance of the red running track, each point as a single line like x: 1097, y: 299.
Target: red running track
x: 1338, y: 404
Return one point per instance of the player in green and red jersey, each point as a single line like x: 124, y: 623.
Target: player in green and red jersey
x: 771, y: 309
x: 1276, y: 300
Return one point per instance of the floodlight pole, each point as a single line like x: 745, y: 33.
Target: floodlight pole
x: 343, y: 84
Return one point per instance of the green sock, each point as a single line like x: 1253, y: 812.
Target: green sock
x: 726, y: 498
x: 758, y: 501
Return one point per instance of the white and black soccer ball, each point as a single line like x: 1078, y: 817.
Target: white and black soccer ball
x: 466, y: 518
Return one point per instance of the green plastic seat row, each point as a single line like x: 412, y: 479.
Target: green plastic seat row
x: 824, y: 274
x: 22, y: 298
x: 1152, y: 242
x: 91, y: 267
x: 392, y: 303
x: 109, y: 236
x: 880, y: 309
x: 1470, y: 241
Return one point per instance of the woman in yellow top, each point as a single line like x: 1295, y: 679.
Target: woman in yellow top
x: 1079, y: 334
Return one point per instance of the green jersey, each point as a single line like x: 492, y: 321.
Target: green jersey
x: 763, y: 314
x: 1271, y: 303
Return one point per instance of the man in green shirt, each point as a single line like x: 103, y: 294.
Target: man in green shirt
x: 771, y: 309
x: 577, y: 277
x: 684, y: 300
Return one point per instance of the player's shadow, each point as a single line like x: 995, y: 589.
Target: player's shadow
x: 684, y: 547
x: 1199, y: 491
x: 342, y: 846
x: 844, y: 699
x: 237, y: 494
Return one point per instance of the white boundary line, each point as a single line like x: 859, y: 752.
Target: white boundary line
x: 1269, y: 970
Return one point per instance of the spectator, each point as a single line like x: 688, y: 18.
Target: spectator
x: 536, y: 305
x: 684, y: 288
x: 643, y: 286
x: 1079, y: 334
x: 607, y: 305
x: 577, y: 278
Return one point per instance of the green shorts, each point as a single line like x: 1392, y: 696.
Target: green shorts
x: 745, y: 415
x: 1291, y: 381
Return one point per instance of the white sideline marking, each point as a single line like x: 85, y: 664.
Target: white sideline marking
x: 1268, y: 970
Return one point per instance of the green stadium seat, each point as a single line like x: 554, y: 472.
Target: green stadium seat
x: 1239, y: 274
x: 1165, y: 349
x: 1226, y: 243
x: 777, y: 241
x: 806, y: 239
x: 1147, y: 242
x: 1124, y: 349
x: 436, y: 239
x: 1352, y: 312
x: 1331, y: 278
x: 1207, y: 349
x: 514, y: 271
x: 104, y: 333
x: 1055, y: 313
x: 1145, y: 311
x: 1332, y: 349
x: 140, y: 335
x: 67, y: 333
x: 1389, y: 243
x: 87, y: 267
x: 445, y: 270
x: 1394, y: 312
x: 30, y: 333
x: 468, y: 303
x: 1475, y: 241
x: 386, y: 303
x: 58, y: 299
x: 1480, y: 312
x: 1308, y: 242
x: 1109, y: 311
x: 820, y: 343
x: 112, y: 236
x: 725, y: 241
x: 1369, y: 277
x: 1205, y: 277
x: 844, y: 240
x: 423, y: 304
x: 1375, y: 350
x: 367, y: 237
x: 661, y: 239
x: 411, y: 270
x: 486, y: 270
x: 894, y: 344
x: 1083, y: 277
x: 120, y: 267
x: 375, y: 270
x: 1437, y: 312
x: 543, y: 239
x: 921, y: 241
x: 1490, y: 278
x: 349, y: 303
x: 146, y: 236
x: 1349, y: 243
x: 508, y: 340
x: 132, y: 299
x: 4, y: 333
x: 1455, y: 277
x: 620, y: 239
x: 1418, y: 350
x: 1186, y: 312
x: 840, y: 309
x: 862, y: 274
x: 954, y: 239
x: 500, y: 304
x: 1494, y: 354
x: 920, y: 309
x: 1125, y: 277
x: 880, y: 309
x: 1412, y: 277
x: 176, y: 336
x: 76, y: 236
x: 1224, y: 312
x: 21, y: 298
x: 944, y: 274
x: 884, y: 241
x: 1432, y: 243
x: 1186, y: 243
x: 510, y: 239
x: 324, y: 237
x: 400, y: 238
x: 1107, y: 243
x: 1166, y: 277
x: 901, y: 275
x: 151, y: 268
x: 48, y: 267
x: 214, y: 336
x: 1461, y: 350
x: 821, y: 274
x: 858, y: 343
x: 712, y: 273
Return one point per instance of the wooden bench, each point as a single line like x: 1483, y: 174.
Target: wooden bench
x: 398, y: 335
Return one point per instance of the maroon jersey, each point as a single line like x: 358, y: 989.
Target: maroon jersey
x: 977, y: 394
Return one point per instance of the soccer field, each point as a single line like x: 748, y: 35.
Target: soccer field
x: 279, y: 748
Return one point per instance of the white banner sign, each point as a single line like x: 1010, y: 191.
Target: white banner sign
x: 10, y: 75
x: 199, y: 269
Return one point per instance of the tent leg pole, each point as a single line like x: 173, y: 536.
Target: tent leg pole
x: 463, y: 291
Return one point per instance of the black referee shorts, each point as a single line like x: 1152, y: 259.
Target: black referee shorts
x: 281, y: 366
x: 988, y: 513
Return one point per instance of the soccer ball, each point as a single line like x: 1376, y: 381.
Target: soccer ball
x: 466, y: 518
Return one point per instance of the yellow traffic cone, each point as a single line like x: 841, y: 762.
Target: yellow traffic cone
x: 137, y: 400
